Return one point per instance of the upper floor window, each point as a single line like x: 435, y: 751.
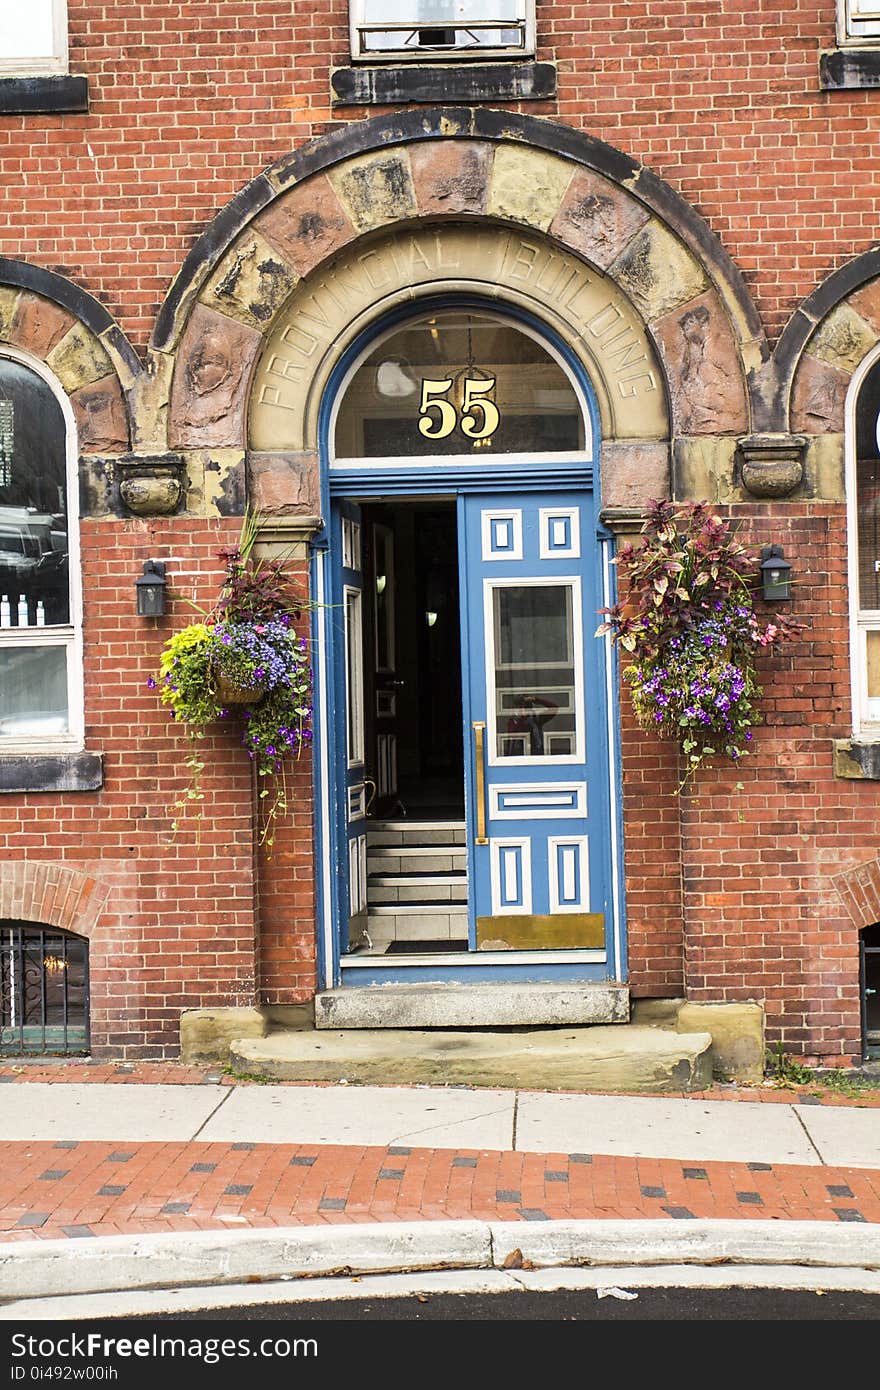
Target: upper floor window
x: 864, y: 493
x: 438, y: 29
x: 858, y: 21
x: 33, y: 36
x: 40, y: 647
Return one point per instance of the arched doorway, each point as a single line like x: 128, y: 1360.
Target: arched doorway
x: 467, y: 768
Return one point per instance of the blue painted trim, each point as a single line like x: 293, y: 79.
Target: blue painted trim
x: 406, y: 482
x: 530, y: 973
x: 415, y: 482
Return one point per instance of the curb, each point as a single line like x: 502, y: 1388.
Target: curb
x: 107, y: 1264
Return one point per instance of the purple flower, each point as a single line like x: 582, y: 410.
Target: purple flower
x: 151, y: 684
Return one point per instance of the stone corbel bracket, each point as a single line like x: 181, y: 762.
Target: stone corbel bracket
x: 771, y: 465
x: 151, y: 484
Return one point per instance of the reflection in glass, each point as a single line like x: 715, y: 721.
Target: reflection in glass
x: 868, y: 527
x: 33, y: 691
x: 33, y: 502
x: 455, y: 382
x: 534, y: 670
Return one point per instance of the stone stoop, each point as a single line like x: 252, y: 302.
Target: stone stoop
x: 508, y: 1005
x: 624, y: 1058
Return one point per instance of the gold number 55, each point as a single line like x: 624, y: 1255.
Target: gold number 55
x: 474, y: 391
x: 443, y: 423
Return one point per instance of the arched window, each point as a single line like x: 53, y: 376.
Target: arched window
x: 425, y: 391
x: 40, y: 648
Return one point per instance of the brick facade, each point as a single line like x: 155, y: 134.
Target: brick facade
x: 733, y: 185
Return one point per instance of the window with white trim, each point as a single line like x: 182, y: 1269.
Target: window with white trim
x: 40, y: 640
x: 403, y: 30
x: 865, y: 562
x: 33, y: 37
x: 858, y: 22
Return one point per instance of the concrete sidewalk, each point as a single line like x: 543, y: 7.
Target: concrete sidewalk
x: 140, y: 1177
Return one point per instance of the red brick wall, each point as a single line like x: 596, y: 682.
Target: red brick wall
x: 191, y: 100
x: 176, y: 926
x: 762, y: 917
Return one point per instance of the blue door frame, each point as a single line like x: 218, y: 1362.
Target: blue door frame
x: 588, y: 848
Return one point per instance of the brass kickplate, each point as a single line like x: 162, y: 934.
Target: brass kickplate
x: 565, y: 931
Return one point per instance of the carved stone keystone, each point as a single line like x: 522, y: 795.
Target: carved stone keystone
x: 151, y: 484
x: 771, y: 465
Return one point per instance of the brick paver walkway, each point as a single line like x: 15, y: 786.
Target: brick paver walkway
x: 81, y: 1189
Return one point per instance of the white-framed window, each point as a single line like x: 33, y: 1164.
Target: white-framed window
x: 33, y: 36
x: 858, y: 22
x: 41, y: 696
x: 436, y: 29
x: 863, y: 494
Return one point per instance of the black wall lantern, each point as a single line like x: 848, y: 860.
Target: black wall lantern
x: 150, y: 590
x: 775, y: 574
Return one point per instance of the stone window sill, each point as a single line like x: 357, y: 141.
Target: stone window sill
x: 857, y: 759
x: 51, y: 772
x: 447, y: 83
x: 52, y: 96
x: 848, y: 69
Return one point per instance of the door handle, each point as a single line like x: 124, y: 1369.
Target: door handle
x: 480, y: 776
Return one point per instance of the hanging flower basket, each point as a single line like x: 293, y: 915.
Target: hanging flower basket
x: 246, y: 660
x: 233, y: 691
x: 689, y: 634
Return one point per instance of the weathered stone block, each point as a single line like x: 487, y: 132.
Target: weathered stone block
x: 866, y: 303
x: 855, y: 761
x: 206, y: 1034
x: 38, y: 324
x: 527, y: 185
x: 376, y: 189
x: 825, y: 468
x: 284, y: 483
x: 818, y: 397
x: 307, y: 225
x: 101, y: 417
x: 209, y: 392
x: 596, y: 218
x: 703, y: 467
x: 78, y: 359
x: 843, y: 339
x: 658, y: 272
x: 8, y: 306
x: 703, y: 369
x: 737, y: 1032
x: 251, y: 282
x: 634, y: 473
x: 450, y: 176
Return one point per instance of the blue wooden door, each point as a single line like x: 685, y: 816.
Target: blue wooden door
x: 535, y: 722
x: 349, y: 620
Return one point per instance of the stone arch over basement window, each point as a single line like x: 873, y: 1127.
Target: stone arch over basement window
x: 371, y: 214
x: 47, y: 911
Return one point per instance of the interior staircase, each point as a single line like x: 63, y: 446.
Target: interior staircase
x: 417, y: 886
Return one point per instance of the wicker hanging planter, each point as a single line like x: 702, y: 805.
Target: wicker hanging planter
x: 230, y: 692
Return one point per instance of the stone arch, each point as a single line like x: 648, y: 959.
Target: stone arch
x: 554, y: 190
x: 35, y: 891
x: 79, y: 341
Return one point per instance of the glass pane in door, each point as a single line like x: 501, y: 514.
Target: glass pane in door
x: 534, y: 670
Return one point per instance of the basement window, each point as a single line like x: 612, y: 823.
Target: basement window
x: 450, y: 30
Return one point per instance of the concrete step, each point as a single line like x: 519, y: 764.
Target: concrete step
x: 386, y: 889
x: 417, y: 859
x: 422, y: 921
x: 416, y: 832
x: 618, y: 1058
x: 513, y: 1004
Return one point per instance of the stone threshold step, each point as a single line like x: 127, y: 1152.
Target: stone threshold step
x: 621, y: 1057
x: 415, y: 825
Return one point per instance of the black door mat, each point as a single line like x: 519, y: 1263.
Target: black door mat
x: 423, y: 948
